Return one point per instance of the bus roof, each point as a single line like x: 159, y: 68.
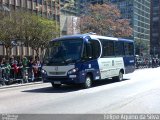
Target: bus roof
x: 92, y: 37
x: 109, y: 38
x: 102, y: 37
x: 69, y: 37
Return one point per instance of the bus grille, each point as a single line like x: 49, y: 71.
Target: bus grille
x: 57, y: 73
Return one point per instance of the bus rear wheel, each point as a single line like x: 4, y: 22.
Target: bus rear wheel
x: 88, y: 82
x: 56, y: 85
x: 119, y: 77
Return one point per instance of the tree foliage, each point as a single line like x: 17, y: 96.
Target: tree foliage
x: 106, y: 20
x: 43, y: 31
x: 32, y: 30
x: 141, y: 47
x: 70, y: 4
x: 8, y: 32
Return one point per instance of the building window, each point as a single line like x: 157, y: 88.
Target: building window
x: 35, y: 7
x: 12, y: 2
x: 6, y: 1
x: 18, y: 3
x: 29, y: 5
x: 23, y: 3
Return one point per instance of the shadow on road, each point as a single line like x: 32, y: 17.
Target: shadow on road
x: 106, y: 81
x: 62, y: 89
x: 70, y: 88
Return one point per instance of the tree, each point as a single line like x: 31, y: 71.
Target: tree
x: 106, y: 20
x: 43, y: 31
x: 32, y: 30
x: 70, y: 4
x: 141, y: 47
x: 8, y: 32
x: 36, y: 31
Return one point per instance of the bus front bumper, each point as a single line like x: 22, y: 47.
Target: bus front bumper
x: 61, y: 79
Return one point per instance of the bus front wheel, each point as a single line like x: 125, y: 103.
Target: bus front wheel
x: 88, y: 82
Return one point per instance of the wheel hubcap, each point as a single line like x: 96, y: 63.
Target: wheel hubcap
x: 88, y: 82
x: 120, y: 76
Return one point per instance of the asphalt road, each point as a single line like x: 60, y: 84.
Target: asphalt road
x: 139, y: 92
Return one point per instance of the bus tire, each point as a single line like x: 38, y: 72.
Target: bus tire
x: 56, y: 85
x: 119, y: 77
x: 88, y: 82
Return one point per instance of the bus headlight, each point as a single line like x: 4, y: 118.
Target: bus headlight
x: 72, y: 71
x: 43, y: 72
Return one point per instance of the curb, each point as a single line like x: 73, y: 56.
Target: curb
x: 20, y: 85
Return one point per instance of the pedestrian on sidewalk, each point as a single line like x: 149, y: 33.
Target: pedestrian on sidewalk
x: 30, y: 70
x: 11, y: 62
x: 7, y: 69
x: 37, y: 68
x: 15, y: 69
x: 24, y: 69
x: 1, y: 72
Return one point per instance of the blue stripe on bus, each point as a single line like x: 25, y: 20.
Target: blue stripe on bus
x: 90, y: 66
x: 129, y: 64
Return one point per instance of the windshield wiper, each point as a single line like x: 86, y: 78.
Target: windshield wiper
x: 69, y: 60
x: 64, y: 60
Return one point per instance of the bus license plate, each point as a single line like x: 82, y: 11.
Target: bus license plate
x: 57, y: 82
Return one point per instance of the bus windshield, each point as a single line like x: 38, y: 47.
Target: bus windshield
x: 63, y: 52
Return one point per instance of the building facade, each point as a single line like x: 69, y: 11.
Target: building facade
x: 92, y: 1
x: 63, y: 11
x: 155, y: 27
x: 138, y: 13
x: 69, y: 19
x: 45, y: 8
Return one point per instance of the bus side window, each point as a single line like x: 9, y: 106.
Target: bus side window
x: 119, y: 48
x: 129, y: 49
x: 108, y: 48
x: 92, y: 50
x: 96, y: 49
x: 87, y: 52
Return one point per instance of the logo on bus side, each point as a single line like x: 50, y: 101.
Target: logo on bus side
x: 112, y: 62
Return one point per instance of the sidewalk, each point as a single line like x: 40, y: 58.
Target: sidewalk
x: 19, y: 85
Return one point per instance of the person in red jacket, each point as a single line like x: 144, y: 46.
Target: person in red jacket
x: 15, y: 69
